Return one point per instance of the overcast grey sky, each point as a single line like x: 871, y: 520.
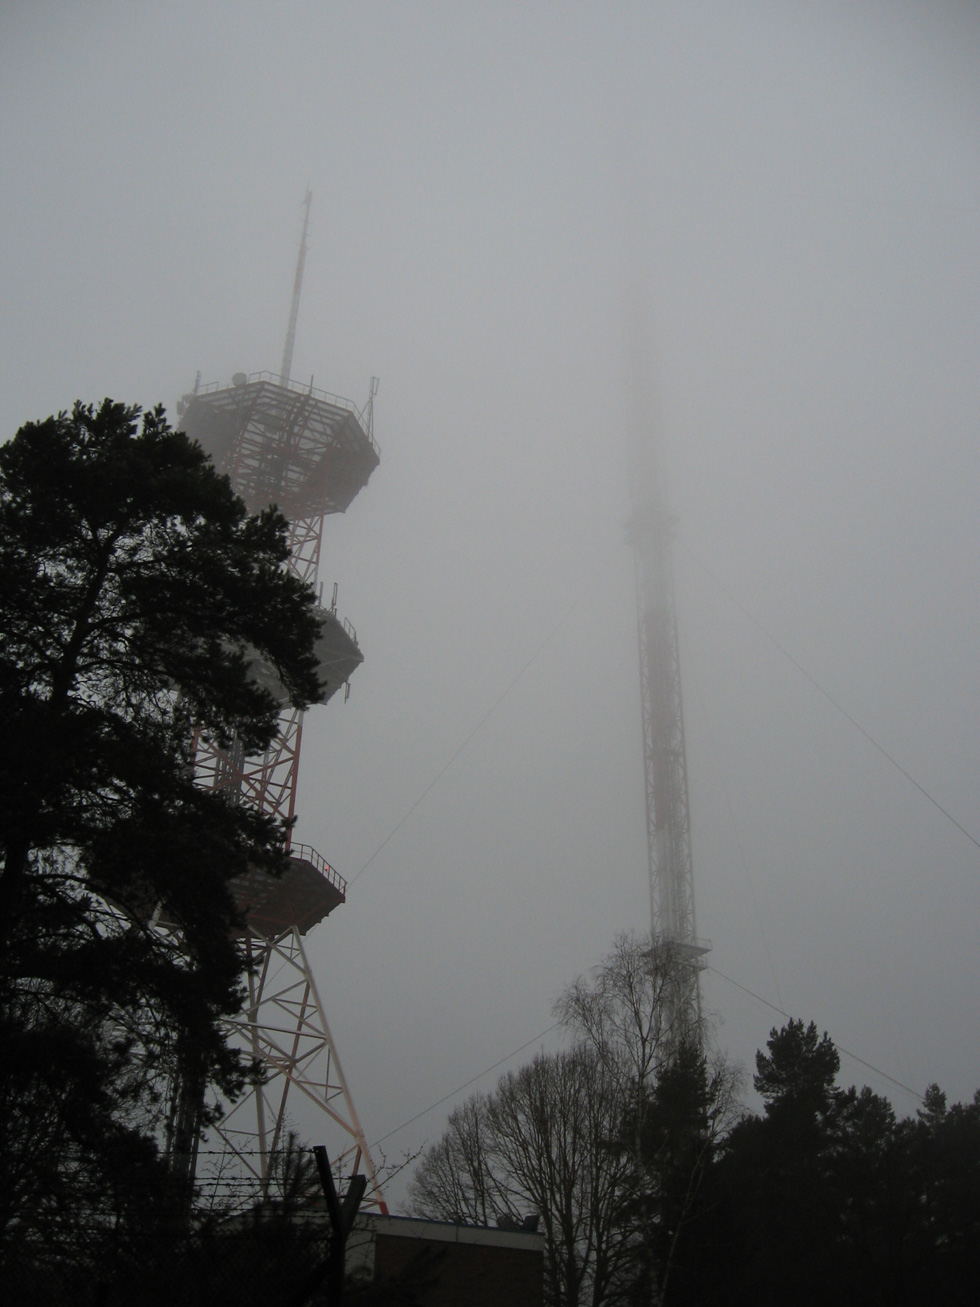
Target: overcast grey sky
x: 794, y: 191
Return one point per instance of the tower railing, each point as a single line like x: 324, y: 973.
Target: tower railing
x: 298, y: 388
x: 307, y: 853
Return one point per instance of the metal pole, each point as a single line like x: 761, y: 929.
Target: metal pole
x: 287, y: 354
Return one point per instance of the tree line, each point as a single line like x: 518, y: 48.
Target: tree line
x: 652, y: 1185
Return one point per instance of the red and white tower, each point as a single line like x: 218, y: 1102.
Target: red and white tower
x: 309, y: 453
x: 668, y: 809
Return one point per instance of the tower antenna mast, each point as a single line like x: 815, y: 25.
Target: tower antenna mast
x: 287, y: 353
x: 668, y: 812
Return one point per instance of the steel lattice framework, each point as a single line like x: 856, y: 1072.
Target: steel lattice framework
x: 269, y: 781
x: 284, y: 1025
x: 309, y: 453
x: 668, y: 810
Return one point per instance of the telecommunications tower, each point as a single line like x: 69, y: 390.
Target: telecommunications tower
x: 668, y: 810
x: 309, y: 453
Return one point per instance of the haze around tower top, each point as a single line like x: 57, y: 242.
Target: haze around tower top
x: 792, y: 195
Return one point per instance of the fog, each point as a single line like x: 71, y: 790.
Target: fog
x: 793, y: 195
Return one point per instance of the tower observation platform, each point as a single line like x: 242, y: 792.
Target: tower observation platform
x: 308, y: 453
x: 307, y: 891
x: 282, y: 443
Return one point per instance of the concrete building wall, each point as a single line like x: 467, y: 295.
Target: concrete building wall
x: 459, y: 1264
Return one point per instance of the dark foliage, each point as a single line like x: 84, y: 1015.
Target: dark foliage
x: 412, y: 1286
x: 134, y: 591
x: 831, y: 1198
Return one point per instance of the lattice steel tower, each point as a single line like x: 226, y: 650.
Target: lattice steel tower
x: 309, y: 453
x: 668, y: 809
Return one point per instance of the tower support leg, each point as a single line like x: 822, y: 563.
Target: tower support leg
x: 284, y: 1026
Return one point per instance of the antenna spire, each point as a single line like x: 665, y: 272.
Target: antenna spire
x: 287, y: 354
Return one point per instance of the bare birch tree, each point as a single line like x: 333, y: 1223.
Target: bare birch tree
x: 541, y: 1145
x: 608, y: 1142
x: 676, y: 1104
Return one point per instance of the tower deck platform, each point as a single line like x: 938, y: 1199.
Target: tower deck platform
x: 337, y: 653
x: 304, y: 450
x: 307, y: 891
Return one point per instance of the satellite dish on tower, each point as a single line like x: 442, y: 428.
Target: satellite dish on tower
x: 239, y: 379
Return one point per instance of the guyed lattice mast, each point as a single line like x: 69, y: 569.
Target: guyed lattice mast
x: 309, y: 453
x: 668, y: 809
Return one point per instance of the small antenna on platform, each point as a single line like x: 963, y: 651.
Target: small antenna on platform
x: 287, y: 354
x: 368, y: 410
